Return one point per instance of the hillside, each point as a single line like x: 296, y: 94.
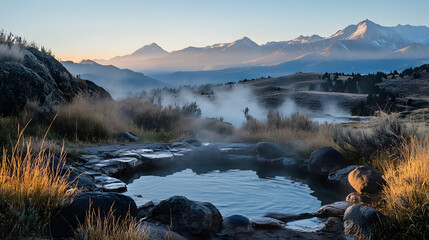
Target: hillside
x: 29, y: 74
x: 117, y: 81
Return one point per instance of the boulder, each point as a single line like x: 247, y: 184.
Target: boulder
x: 69, y: 216
x: 365, y: 179
x: 128, y: 137
x: 269, y: 150
x: 326, y: 160
x: 340, y: 177
x: 364, y: 199
x: 236, y: 223
x: 186, y: 216
x: 361, y: 222
x: 194, y: 142
x: 335, y: 209
x: 267, y: 223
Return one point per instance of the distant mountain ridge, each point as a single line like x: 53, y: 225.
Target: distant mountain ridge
x: 365, y: 40
x: 116, y: 81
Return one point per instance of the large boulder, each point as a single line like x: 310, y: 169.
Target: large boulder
x: 236, y: 223
x: 326, y: 160
x: 365, y: 179
x: 66, y: 221
x: 186, y: 216
x: 362, y: 222
x: 269, y: 150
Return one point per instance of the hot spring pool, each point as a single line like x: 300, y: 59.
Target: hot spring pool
x: 232, y: 192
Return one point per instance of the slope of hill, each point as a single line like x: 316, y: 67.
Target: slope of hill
x: 28, y: 74
x: 116, y: 81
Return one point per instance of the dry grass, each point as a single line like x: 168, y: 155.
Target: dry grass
x: 297, y: 133
x: 110, y: 227
x: 407, y: 191
x: 85, y: 120
x: 31, y: 189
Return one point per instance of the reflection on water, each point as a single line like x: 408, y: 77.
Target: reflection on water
x: 231, y: 191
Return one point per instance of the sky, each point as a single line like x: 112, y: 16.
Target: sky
x: 88, y: 29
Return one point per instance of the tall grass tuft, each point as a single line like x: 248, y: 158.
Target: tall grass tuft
x: 407, y: 191
x: 110, y: 227
x: 297, y: 133
x: 31, y: 189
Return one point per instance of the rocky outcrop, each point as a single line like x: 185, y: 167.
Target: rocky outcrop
x: 186, y: 216
x: 41, y: 78
x: 326, y: 160
x: 335, y: 209
x: 365, y: 179
x: 362, y: 222
x: 69, y: 216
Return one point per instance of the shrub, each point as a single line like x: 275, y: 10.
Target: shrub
x: 406, y: 194
x: 31, y: 189
x: 149, y: 116
x: 297, y: 132
x: 388, y: 133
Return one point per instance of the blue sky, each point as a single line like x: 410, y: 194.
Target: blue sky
x: 76, y: 29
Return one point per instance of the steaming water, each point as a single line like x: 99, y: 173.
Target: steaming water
x: 234, y: 192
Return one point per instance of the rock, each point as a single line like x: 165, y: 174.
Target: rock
x: 39, y: 77
x: 114, y: 187
x: 186, y: 216
x: 82, y: 180
x: 267, y: 223
x: 194, y: 142
x: 365, y: 179
x: 145, y: 210
x: 236, y: 223
x: 326, y: 160
x: 340, y: 177
x: 289, y: 217
x: 269, y: 150
x: 361, y: 222
x: 335, y: 209
x: 364, y: 199
x: 64, y: 223
x: 128, y: 136
x: 156, y: 231
x: 116, y: 165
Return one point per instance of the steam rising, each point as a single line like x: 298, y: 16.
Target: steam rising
x: 230, y: 104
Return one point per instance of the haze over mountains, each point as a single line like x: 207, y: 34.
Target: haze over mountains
x: 364, y: 47
x: 365, y: 40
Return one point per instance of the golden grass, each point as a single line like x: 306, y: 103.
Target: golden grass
x: 406, y: 194
x: 296, y: 133
x: 31, y: 189
x: 110, y: 227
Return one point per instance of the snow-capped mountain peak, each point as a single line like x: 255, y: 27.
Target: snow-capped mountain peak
x: 151, y: 49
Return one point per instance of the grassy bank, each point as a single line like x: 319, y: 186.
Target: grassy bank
x: 31, y: 189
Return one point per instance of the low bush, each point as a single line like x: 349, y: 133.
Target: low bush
x: 406, y: 195
x: 31, y: 189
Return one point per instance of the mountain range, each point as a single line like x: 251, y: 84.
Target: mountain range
x: 365, y: 47
x: 117, y: 81
x: 365, y: 40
